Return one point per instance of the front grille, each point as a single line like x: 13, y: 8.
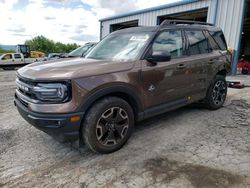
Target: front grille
x: 21, y: 101
x: 25, y: 87
x: 26, y: 81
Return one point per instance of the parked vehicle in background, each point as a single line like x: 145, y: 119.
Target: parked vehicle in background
x: 37, y: 54
x: 22, y: 57
x: 82, y: 51
x: 131, y: 75
x: 24, y: 49
x: 13, y: 60
x: 27, y: 53
x: 53, y: 56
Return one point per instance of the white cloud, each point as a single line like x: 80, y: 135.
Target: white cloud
x: 6, y: 5
x: 63, y: 22
x: 110, y: 7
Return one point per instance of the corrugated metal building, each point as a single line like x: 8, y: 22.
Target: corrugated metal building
x: 227, y: 14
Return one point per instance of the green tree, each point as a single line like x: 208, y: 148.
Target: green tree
x: 43, y: 44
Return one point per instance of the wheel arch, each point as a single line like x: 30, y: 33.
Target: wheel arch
x: 222, y: 72
x: 124, y: 92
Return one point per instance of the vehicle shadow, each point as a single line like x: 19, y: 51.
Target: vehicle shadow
x: 150, y: 123
x: 159, y: 119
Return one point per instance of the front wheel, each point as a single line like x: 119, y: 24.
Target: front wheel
x: 108, y: 125
x: 216, y: 94
x: 8, y: 68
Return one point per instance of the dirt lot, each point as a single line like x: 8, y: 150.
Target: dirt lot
x: 189, y: 147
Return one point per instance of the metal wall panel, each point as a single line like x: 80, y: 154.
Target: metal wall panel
x: 150, y: 18
x: 229, y: 20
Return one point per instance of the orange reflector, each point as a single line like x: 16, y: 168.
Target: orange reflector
x: 75, y: 119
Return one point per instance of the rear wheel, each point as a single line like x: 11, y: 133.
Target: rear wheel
x: 216, y: 94
x: 8, y: 68
x: 108, y: 125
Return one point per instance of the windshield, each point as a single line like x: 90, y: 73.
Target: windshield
x: 123, y: 46
x: 23, y: 48
x: 80, y: 51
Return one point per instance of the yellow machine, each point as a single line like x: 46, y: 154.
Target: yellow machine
x: 36, y: 54
x: 25, y: 50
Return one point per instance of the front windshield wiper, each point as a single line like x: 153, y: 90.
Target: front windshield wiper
x: 71, y: 56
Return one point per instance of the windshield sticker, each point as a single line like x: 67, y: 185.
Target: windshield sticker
x: 140, y: 38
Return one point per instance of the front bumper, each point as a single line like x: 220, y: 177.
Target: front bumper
x: 57, y: 125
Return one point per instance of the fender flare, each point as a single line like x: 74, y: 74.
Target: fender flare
x: 114, y: 90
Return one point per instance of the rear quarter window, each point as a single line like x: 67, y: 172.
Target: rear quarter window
x: 17, y: 56
x: 219, y: 39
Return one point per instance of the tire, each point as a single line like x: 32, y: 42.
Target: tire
x: 8, y: 68
x: 217, y: 92
x: 108, y: 125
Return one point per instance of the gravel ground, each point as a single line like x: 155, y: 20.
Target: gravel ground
x: 189, y: 147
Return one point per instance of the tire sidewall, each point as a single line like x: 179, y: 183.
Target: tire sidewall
x: 210, y: 102
x: 89, y: 132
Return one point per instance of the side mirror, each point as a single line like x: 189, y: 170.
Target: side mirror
x: 159, y: 56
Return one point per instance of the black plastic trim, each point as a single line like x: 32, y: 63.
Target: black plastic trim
x: 58, y: 126
x: 156, y: 110
x: 113, y: 90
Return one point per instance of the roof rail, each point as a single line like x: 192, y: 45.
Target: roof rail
x: 169, y: 22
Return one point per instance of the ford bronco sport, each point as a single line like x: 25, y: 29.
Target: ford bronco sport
x: 130, y: 75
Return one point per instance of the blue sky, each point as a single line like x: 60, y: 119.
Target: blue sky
x: 65, y: 21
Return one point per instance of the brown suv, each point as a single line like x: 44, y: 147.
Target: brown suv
x: 130, y: 75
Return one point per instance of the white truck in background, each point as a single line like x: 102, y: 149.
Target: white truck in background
x: 9, y: 61
x: 22, y: 57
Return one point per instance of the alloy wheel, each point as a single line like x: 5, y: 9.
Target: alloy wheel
x: 219, y: 92
x: 112, y: 126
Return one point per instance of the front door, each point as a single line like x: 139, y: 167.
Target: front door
x: 167, y: 82
x: 7, y: 59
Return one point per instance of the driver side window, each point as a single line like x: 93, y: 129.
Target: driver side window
x: 170, y: 41
x: 7, y: 57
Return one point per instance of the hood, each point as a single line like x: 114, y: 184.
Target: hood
x: 62, y: 69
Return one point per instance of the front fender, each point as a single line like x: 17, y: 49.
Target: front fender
x: 126, y: 91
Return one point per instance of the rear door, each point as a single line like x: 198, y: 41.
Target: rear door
x: 18, y: 59
x: 201, y: 58
x: 218, y: 44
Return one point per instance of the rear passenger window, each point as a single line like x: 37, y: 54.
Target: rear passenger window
x: 219, y: 39
x: 17, y: 56
x: 170, y: 41
x: 197, y: 42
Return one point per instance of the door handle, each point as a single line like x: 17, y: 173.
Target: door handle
x: 181, y: 66
x: 211, y: 61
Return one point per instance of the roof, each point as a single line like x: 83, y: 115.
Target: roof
x: 137, y: 29
x: 169, y: 26
x: 179, y: 3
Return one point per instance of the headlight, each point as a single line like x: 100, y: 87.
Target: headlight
x: 51, y: 92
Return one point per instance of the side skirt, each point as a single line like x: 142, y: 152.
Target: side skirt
x: 156, y: 110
